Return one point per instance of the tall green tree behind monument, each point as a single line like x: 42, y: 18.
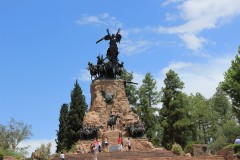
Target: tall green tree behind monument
x: 176, y: 123
x: 78, y: 108
x: 148, y: 97
x: 130, y: 89
x: 221, y: 104
x: 231, y: 84
x: 61, y: 140
x: 204, y: 117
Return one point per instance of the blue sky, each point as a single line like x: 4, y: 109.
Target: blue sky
x: 46, y: 45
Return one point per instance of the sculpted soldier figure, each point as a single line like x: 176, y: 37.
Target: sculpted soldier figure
x: 111, y: 68
x: 112, y: 51
x: 113, y: 39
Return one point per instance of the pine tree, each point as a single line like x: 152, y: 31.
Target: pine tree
x: 148, y: 97
x: 204, y: 117
x: 231, y: 84
x: 177, y: 127
x: 61, y: 140
x: 78, y: 108
x: 222, y: 106
x: 130, y: 89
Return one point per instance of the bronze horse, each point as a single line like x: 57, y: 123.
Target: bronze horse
x: 112, y: 121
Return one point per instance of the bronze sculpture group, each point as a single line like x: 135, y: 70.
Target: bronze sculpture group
x: 108, y: 67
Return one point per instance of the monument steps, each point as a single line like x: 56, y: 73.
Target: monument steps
x: 113, y: 137
x: 136, y: 155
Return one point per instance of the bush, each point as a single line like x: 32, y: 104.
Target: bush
x: 43, y: 151
x: 177, y: 149
x: 235, y: 146
x: 189, y: 148
x: 1, y: 156
x: 10, y: 152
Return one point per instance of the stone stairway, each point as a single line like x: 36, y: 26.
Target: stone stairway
x: 134, y: 155
x: 113, y: 137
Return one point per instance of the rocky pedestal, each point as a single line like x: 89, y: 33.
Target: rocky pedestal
x: 109, y: 96
x: 118, y: 104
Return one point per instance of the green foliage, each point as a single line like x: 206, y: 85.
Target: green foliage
x: 17, y: 132
x: 204, y: 118
x: 62, y: 132
x: 231, y: 130
x: 177, y: 149
x: 78, y: 108
x: 14, y: 133
x: 148, y: 97
x: 44, y: 151
x: 219, y: 143
x: 235, y: 146
x: 11, y: 135
x: 130, y: 89
x: 1, y: 156
x: 175, y: 120
x: 3, y: 137
x: 231, y: 84
x: 10, y: 152
x: 189, y: 148
x: 225, y: 136
x: 221, y: 104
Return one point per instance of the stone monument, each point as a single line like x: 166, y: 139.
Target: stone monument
x: 110, y: 114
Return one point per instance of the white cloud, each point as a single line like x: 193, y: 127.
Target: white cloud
x: 192, y: 41
x: 167, y: 2
x: 171, y: 17
x: 197, y: 77
x: 34, y: 144
x: 103, y: 19
x: 200, y: 77
x: 200, y: 15
x: 129, y: 47
x: 84, y: 75
x: 137, y: 78
x: 176, y: 66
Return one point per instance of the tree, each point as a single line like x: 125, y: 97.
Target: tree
x: 148, y: 97
x: 62, y: 131
x: 225, y: 135
x: 43, y: 152
x: 130, y: 89
x: 14, y: 133
x: 3, y: 137
x: 78, y: 108
x: 222, y: 106
x: 175, y: 120
x: 11, y: 135
x: 231, y: 84
x: 204, y: 117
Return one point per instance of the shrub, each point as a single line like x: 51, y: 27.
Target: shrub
x: 189, y: 148
x: 10, y: 152
x: 43, y: 151
x: 1, y: 156
x: 177, y: 149
x: 235, y: 146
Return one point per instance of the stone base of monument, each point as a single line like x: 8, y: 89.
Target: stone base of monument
x: 108, y: 97
x: 137, y: 144
x: 118, y: 104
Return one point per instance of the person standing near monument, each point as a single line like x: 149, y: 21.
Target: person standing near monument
x: 96, y: 144
x: 129, y: 144
x: 62, y: 156
x: 120, y: 143
x: 95, y: 152
x: 105, y: 142
x: 95, y: 148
